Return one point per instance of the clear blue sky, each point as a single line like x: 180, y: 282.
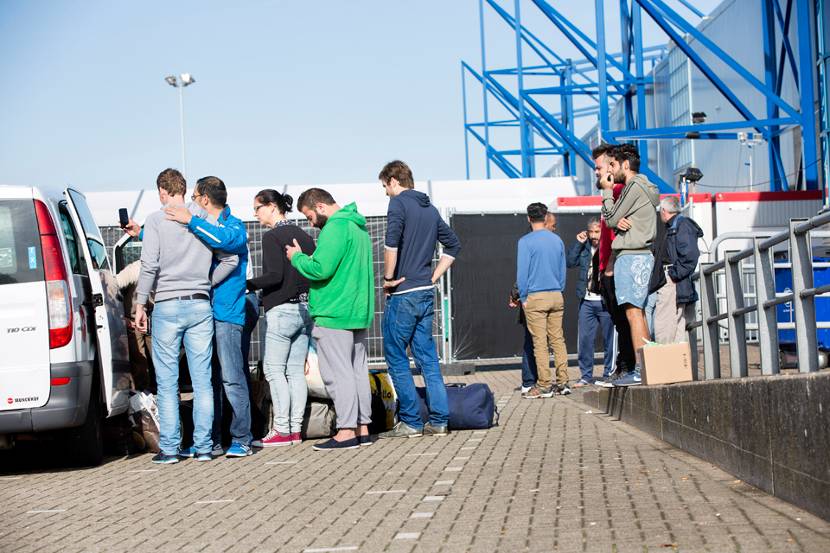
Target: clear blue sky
x: 309, y: 92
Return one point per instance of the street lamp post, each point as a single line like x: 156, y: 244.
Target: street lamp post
x: 750, y: 140
x: 185, y: 79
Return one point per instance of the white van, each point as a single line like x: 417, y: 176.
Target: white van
x: 64, y: 362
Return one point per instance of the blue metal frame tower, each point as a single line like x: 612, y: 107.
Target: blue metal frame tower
x: 605, y: 78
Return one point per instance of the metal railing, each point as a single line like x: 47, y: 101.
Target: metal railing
x: 802, y: 297
x: 715, y: 249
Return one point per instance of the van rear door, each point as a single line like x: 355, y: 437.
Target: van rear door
x: 24, y: 315
x: 109, y: 309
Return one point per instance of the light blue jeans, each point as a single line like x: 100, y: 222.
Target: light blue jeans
x: 191, y: 322
x: 286, y: 347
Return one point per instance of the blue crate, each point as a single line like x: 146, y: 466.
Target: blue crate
x: 786, y: 313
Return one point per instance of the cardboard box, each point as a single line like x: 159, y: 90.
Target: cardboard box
x: 665, y: 363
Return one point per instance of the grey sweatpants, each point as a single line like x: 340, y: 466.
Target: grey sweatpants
x: 344, y: 369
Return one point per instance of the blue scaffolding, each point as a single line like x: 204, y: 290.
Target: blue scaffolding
x: 605, y: 79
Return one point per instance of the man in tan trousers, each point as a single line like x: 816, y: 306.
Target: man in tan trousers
x: 540, y: 276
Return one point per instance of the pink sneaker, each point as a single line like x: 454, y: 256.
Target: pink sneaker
x: 295, y: 438
x: 274, y: 439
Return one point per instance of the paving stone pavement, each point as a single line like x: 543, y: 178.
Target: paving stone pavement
x: 553, y: 476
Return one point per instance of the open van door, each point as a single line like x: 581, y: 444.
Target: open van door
x: 113, y: 350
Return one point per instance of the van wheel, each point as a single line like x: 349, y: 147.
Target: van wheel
x: 88, y: 439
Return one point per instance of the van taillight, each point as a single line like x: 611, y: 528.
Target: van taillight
x: 57, y: 282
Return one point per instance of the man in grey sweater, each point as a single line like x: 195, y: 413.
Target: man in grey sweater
x: 177, y: 265
x: 633, y: 216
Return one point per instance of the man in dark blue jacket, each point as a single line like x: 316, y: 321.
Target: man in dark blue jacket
x: 584, y: 255
x: 676, y: 258
x: 413, y: 226
x: 228, y: 300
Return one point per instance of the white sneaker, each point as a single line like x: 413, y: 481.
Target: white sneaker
x: 526, y: 389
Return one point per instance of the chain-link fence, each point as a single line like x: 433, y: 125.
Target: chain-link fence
x: 377, y: 229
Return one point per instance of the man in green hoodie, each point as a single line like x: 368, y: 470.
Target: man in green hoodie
x: 342, y: 303
x: 633, y: 216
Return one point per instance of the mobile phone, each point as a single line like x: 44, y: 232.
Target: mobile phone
x: 123, y: 217
x: 607, y: 177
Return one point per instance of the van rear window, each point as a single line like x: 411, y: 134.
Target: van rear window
x: 20, y: 259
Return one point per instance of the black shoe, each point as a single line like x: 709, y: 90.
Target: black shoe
x: 366, y: 440
x: 563, y: 390
x: 329, y: 444
x: 430, y: 430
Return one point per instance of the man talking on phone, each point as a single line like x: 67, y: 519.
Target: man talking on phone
x: 631, y: 249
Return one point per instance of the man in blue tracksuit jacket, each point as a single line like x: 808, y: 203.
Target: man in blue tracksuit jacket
x: 413, y: 226
x: 228, y: 299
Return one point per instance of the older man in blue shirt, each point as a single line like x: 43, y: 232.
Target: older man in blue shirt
x: 540, y: 276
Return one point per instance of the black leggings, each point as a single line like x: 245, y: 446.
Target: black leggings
x: 625, y: 349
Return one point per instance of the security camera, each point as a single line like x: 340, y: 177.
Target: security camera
x: 692, y: 175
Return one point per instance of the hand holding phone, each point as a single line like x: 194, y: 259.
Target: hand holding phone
x: 606, y: 182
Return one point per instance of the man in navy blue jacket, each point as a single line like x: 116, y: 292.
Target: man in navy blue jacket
x: 676, y: 257
x: 228, y: 300
x: 584, y: 254
x: 413, y: 226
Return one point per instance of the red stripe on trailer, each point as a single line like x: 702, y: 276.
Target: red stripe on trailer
x: 578, y: 201
x: 696, y: 198
x: 768, y: 196
x: 590, y: 201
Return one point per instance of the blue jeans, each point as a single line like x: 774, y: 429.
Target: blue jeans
x: 529, y: 373
x: 407, y: 322
x: 229, y: 376
x: 286, y: 348
x: 591, y: 315
x: 651, y: 305
x: 191, y: 322
x: 251, y: 320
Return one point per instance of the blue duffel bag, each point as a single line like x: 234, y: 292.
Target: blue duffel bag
x: 472, y: 406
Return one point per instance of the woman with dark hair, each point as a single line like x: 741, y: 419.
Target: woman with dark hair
x: 285, y: 298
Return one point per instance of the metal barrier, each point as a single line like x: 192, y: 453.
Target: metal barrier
x: 376, y: 227
x: 802, y: 296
